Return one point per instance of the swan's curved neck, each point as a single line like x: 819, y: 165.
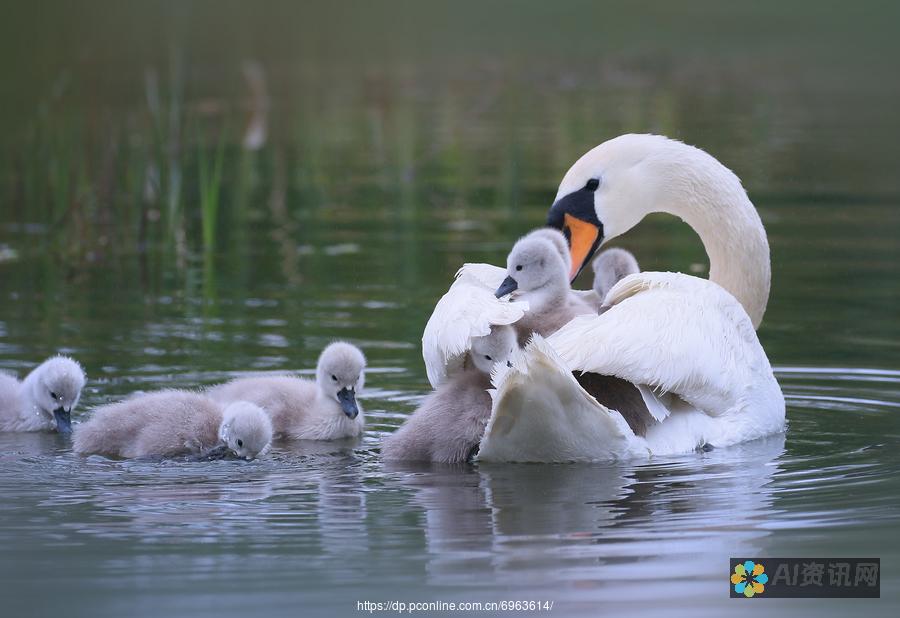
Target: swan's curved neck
x: 732, y: 234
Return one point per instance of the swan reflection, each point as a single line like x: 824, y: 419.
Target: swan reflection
x: 595, y: 524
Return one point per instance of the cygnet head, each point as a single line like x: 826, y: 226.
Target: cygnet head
x: 498, y: 347
x: 556, y: 237
x: 340, y: 375
x: 246, y: 429
x: 535, y: 262
x: 55, y: 388
x: 610, y: 267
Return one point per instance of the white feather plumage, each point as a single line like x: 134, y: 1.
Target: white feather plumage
x: 677, y: 335
x: 467, y: 310
x: 542, y: 414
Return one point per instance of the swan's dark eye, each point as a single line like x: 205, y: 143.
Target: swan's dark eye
x: 54, y: 395
x: 488, y: 357
x: 334, y: 377
x: 240, y: 443
x: 519, y: 267
x: 592, y: 184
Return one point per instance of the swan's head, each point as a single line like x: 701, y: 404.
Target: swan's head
x: 611, y: 188
x: 56, y: 390
x: 536, y: 260
x: 610, y: 267
x: 498, y: 347
x: 246, y: 430
x: 340, y: 374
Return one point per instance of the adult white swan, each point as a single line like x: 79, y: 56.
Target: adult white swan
x: 687, y: 344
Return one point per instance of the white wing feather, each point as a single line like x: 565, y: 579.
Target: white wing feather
x: 673, y: 333
x: 467, y: 310
x: 541, y: 414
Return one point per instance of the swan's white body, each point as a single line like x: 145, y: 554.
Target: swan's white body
x: 688, y: 344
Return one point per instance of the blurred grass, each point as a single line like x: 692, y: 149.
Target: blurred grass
x: 113, y: 129
x: 210, y: 185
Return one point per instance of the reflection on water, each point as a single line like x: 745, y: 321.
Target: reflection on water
x: 615, y: 529
x: 324, y: 525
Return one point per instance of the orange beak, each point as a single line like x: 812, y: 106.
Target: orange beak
x: 583, y: 240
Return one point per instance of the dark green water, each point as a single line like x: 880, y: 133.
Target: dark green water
x: 402, y: 141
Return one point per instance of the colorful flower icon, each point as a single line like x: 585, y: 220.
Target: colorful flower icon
x: 749, y: 578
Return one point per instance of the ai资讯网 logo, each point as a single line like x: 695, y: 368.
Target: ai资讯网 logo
x: 749, y: 578
x: 805, y: 578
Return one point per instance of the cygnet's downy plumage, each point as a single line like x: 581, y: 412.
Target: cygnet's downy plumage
x: 610, y: 267
x: 44, y: 400
x: 556, y: 238
x: 172, y: 423
x: 537, y: 271
x: 301, y: 409
x: 448, y: 426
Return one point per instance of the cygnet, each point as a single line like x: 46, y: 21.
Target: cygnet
x: 44, y: 400
x: 301, y: 409
x: 448, y: 426
x: 171, y: 423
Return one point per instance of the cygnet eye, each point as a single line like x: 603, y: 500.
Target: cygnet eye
x: 487, y: 356
x: 519, y: 267
x: 54, y: 395
x: 334, y: 377
x: 592, y: 184
x: 240, y: 443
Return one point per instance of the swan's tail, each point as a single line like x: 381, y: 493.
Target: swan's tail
x: 541, y: 414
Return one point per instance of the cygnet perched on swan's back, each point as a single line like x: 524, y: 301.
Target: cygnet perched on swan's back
x: 305, y: 410
x: 44, y: 400
x: 538, y: 272
x: 448, y: 426
x: 171, y: 423
x: 610, y: 267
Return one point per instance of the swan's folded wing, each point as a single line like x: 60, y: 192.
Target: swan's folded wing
x: 542, y: 414
x: 671, y: 332
x: 467, y: 310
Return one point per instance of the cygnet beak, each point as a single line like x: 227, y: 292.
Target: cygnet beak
x: 509, y: 285
x: 63, y: 420
x: 220, y: 451
x: 347, y: 399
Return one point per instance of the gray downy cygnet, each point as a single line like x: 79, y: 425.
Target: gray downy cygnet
x: 44, y: 400
x: 172, y: 423
x: 301, y: 409
x: 610, y: 267
x: 537, y: 271
x: 448, y: 426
